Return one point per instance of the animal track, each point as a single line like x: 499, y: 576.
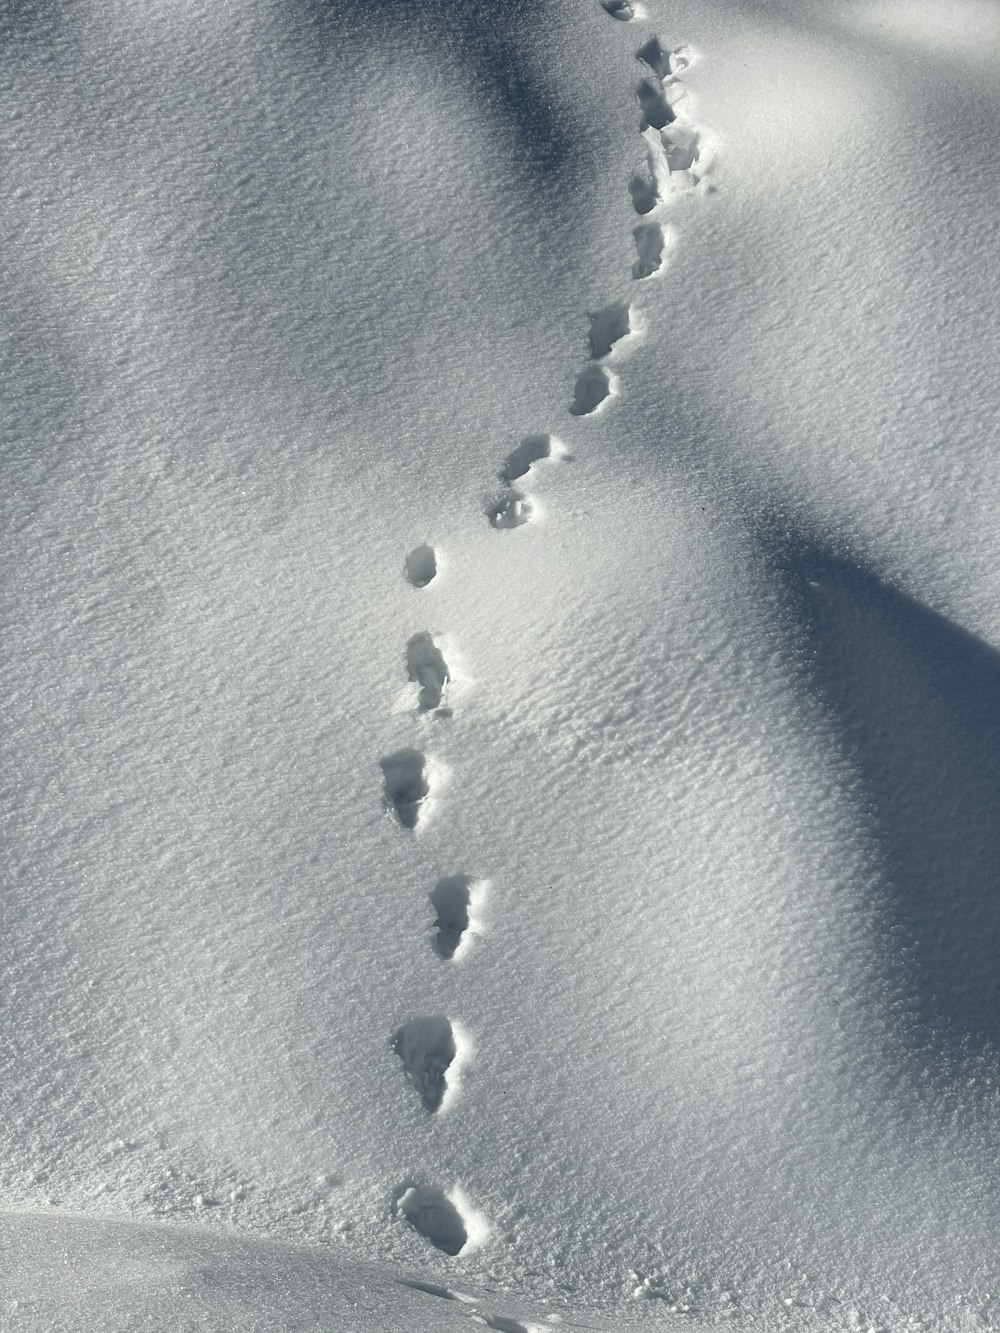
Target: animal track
x: 421, y: 566
x: 406, y: 785
x: 649, y: 243
x: 431, y: 1048
x: 593, y: 385
x: 426, y: 666
x: 452, y: 900
x: 656, y: 110
x: 619, y: 9
x: 427, y: 1048
x: 508, y: 510
x: 658, y: 59
x: 531, y: 450
x: 680, y: 147
x: 644, y: 187
x: 434, y: 1215
x: 607, y: 327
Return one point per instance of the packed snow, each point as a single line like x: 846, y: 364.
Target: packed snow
x: 500, y: 664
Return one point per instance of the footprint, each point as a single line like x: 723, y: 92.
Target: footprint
x: 680, y: 147
x: 619, y: 9
x: 508, y: 510
x: 607, y: 327
x: 426, y: 666
x: 649, y: 243
x: 406, y: 785
x: 656, y: 110
x: 427, y: 1049
x: 644, y: 188
x: 593, y: 385
x: 421, y: 566
x: 658, y: 59
x: 680, y: 59
x: 532, y: 449
x: 452, y: 900
x: 434, y: 1215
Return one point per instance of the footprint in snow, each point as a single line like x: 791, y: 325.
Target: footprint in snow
x: 644, y: 187
x: 427, y: 1049
x: 510, y: 509
x: 607, y: 327
x: 594, y: 385
x: 426, y: 667
x: 657, y: 57
x: 619, y: 9
x: 657, y: 112
x: 531, y: 450
x: 649, y: 243
x: 406, y: 785
x: 680, y: 147
x: 453, y: 900
x: 421, y: 566
x: 433, y: 1215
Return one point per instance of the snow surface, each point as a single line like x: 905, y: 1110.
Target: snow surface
x: 548, y: 449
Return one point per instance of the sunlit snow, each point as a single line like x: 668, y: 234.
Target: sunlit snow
x: 500, y: 680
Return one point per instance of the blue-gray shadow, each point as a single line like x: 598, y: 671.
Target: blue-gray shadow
x: 490, y: 40
x: 916, y: 699
x: 30, y: 20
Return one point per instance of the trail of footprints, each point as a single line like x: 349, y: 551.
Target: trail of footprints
x: 430, y: 1049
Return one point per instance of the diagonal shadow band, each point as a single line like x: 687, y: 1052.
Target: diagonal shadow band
x: 916, y: 699
x: 492, y: 41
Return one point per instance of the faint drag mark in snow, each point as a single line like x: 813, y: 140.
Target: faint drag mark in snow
x: 446, y: 1220
x: 509, y: 510
x: 594, y: 386
x: 607, y: 327
x: 407, y: 785
x: 455, y: 899
x: 505, y: 1325
x: 432, y: 1289
x: 426, y: 667
x: 421, y: 566
x: 649, y: 245
x: 532, y: 449
x: 428, y: 1048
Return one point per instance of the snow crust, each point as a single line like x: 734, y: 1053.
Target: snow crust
x: 700, y: 706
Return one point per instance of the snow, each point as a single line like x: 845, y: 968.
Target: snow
x: 69, y: 1273
x: 499, y: 664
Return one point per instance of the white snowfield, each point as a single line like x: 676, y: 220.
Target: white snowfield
x: 501, y: 691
